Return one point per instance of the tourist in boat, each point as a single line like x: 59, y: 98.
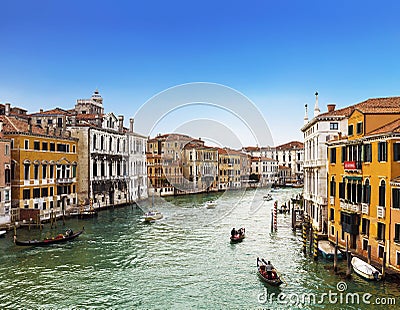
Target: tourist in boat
x: 233, y: 232
x: 269, y: 268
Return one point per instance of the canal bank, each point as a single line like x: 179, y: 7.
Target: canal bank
x: 183, y: 261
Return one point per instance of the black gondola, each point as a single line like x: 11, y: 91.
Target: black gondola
x: 238, y: 236
x: 273, y: 278
x: 69, y: 235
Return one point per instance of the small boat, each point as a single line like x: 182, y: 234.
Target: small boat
x: 327, y: 250
x: 211, y: 204
x: 60, y: 238
x: 152, y: 216
x: 238, y: 236
x: 271, y: 278
x: 284, y: 209
x: 2, y: 233
x: 88, y: 214
x: 268, y: 197
x: 365, y: 270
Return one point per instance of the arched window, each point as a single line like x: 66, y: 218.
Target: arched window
x: 94, y: 141
x: 382, y: 194
x: 333, y: 187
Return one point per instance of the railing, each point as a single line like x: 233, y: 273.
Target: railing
x: 381, y: 212
x: 344, y: 205
x: 356, y: 207
x: 64, y: 180
x: 365, y: 208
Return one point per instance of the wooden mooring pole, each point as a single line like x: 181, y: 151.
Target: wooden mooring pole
x: 304, y: 238
x: 335, y: 258
x: 315, y: 245
x: 369, y: 253
x: 348, y: 257
x: 384, y: 265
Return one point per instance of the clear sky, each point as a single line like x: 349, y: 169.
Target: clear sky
x: 277, y: 53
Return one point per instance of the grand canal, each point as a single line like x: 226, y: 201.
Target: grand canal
x: 183, y: 261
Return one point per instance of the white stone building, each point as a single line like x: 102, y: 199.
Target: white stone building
x: 321, y: 128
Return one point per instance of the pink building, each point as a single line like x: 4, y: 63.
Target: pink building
x: 5, y: 178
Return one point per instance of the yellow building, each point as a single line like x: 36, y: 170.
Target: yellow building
x: 229, y: 166
x: 43, y: 169
x: 360, y: 168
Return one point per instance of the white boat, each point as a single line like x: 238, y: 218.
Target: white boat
x: 268, y: 197
x: 365, y: 270
x: 211, y: 204
x: 328, y: 250
x: 152, y: 216
x: 2, y: 233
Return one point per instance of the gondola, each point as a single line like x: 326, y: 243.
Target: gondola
x: 274, y: 280
x: 60, y: 238
x: 239, y: 236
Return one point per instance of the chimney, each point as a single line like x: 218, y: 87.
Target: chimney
x: 131, y: 124
x: 316, y: 108
x: 30, y: 125
x: 120, y: 123
x: 306, y: 114
x: 41, y: 111
x: 7, y: 109
x: 331, y: 107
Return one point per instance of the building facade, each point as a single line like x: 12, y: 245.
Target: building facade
x: 5, y: 178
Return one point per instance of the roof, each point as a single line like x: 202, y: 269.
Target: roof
x: 13, y: 124
x: 56, y: 111
x: 88, y: 116
x: 291, y: 145
x: 386, y: 105
x: 392, y: 127
x: 283, y: 168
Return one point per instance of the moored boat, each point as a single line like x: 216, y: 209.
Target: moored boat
x: 211, y: 204
x: 60, y: 238
x: 268, y: 197
x: 237, y: 235
x: 152, y: 216
x: 327, y: 250
x: 365, y: 270
x: 267, y: 273
x: 88, y: 214
x: 2, y: 233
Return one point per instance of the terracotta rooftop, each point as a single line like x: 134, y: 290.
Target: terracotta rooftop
x: 291, y: 145
x: 13, y: 124
x: 393, y: 127
x: 56, y: 111
x: 88, y: 116
x: 380, y: 105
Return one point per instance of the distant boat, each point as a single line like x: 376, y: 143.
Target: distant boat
x: 239, y: 236
x: 152, y: 216
x: 2, y: 233
x: 365, y: 270
x: 268, y: 197
x: 327, y: 250
x: 272, y: 278
x: 60, y: 238
x: 211, y: 204
x: 88, y: 214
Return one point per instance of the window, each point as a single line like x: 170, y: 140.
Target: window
x: 74, y: 171
x: 26, y: 144
x: 36, y: 172
x: 95, y: 169
x: 396, y: 198
x: 396, y: 151
x: 332, y: 156
x: 365, y: 227
x: 350, y: 130
x: 36, y: 193
x: 334, y: 126
x: 39, y: 121
x: 44, y: 205
x: 26, y: 172
x: 382, y: 151
x: 359, y: 128
x: 44, y: 146
x: 61, y: 147
x: 341, y: 190
x: 49, y: 121
x: 45, y: 192
x: 397, y: 232
x: 26, y: 194
x: 7, y: 176
x: 365, y: 244
x: 381, y: 249
x: 44, y: 171
x: 367, y: 153
x: 36, y: 145
x: 51, y: 171
x: 94, y: 142
x: 382, y: 192
x: 7, y: 150
x: 397, y: 258
x: 381, y: 232
x: 333, y: 188
x: 366, y: 192
x: 332, y: 230
x: 51, y: 191
x: 343, y: 154
x: 73, y: 148
x: 52, y: 147
x: 331, y: 214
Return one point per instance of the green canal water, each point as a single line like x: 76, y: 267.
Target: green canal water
x: 184, y: 261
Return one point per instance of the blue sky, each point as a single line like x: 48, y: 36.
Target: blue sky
x: 277, y: 53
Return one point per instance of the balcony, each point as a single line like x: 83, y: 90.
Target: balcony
x: 344, y: 205
x: 381, y: 212
x: 365, y: 208
x: 64, y: 180
x: 356, y: 207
